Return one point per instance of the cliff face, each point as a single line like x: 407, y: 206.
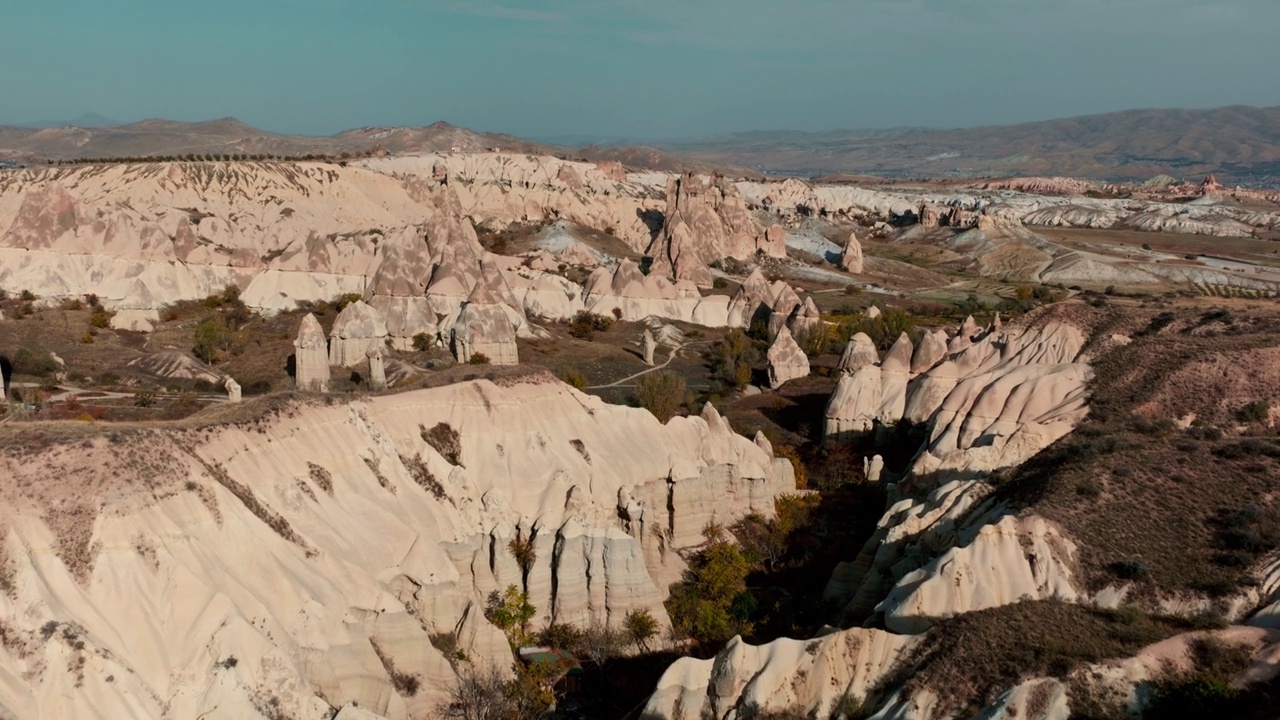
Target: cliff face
x: 284, y: 563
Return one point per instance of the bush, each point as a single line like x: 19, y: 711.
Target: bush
x: 640, y: 628
x: 585, y: 325
x: 720, y: 284
x: 342, y: 302
x: 661, y: 393
x: 212, y: 338
x: 445, y: 440
x: 574, y: 378
x: 99, y: 320
x: 422, y: 342
x: 37, y: 363
x: 1256, y: 411
x: 733, y: 358
x: 478, y: 358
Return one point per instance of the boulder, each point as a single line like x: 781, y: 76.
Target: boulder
x: 649, y: 345
x: 786, y: 360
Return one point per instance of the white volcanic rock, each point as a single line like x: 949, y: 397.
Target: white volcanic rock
x: 637, y: 296
x: 706, y: 220
x: 311, y: 356
x: 137, y: 311
x: 855, y: 405
x: 501, y: 189
x: 858, y: 353
x: 484, y: 326
x: 295, y: 543
x: 1008, y: 561
x: 931, y: 350
x: 747, y: 300
x: 851, y: 259
x: 786, y: 361
x: 355, y: 328
x: 398, y: 288
x: 806, y: 319
x: 995, y: 404
x: 806, y: 676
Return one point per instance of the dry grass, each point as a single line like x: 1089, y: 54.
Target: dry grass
x: 1176, y: 512
x: 970, y: 659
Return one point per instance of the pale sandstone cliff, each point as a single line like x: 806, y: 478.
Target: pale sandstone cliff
x: 240, y: 570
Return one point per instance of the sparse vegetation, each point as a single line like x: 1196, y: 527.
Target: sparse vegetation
x: 661, y: 393
x: 445, y: 440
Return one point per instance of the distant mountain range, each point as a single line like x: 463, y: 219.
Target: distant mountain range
x: 1240, y: 144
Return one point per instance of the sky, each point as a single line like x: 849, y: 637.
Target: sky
x: 630, y: 68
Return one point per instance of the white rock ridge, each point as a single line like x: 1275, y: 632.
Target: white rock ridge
x: 305, y: 544
x: 809, y: 676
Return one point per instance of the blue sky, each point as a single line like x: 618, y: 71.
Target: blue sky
x: 636, y: 68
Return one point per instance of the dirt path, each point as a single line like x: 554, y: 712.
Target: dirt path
x: 675, y: 352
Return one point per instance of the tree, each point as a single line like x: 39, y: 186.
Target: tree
x: 486, y: 694
x: 422, y: 342
x: 511, y: 612
x: 711, y: 604
x: 525, y: 553
x: 212, y: 336
x: 733, y: 358
x: 661, y: 393
x: 640, y: 628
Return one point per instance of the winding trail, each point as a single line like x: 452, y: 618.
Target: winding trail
x: 675, y: 352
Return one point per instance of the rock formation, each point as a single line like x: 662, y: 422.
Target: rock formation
x: 138, y: 311
x: 233, y: 390
x: 355, y: 328
x: 311, y: 356
x: 858, y: 353
x: 326, y: 542
x: 786, y: 360
x: 873, y: 467
x: 999, y: 401
x: 637, y: 296
x: 377, y: 366
x: 648, y: 344
x: 484, y: 327
x: 398, y: 289
x: 851, y: 259
x: 807, y: 319
x: 706, y: 220
x: 808, y: 677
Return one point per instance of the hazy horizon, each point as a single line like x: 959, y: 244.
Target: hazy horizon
x: 661, y: 69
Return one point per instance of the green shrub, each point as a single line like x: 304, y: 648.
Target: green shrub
x: 1256, y: 411
x: 37, y: 363
x: 478, y: 358
x: 574, y: 378
x: 661, y: 393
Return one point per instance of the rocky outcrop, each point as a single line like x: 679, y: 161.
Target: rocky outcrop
x: 851, y: 259
x: 808, y: 677
x: 786, y: 361
x: 137, y: 311
x: 995, y: 403
x: 310, y: 543
x: 311, y: 356
x: 398, y: 290
x: 706, y: 220
x: 636, y: 296
x: 484, y: 327
x: 648, y: 345
x: 356, y: 327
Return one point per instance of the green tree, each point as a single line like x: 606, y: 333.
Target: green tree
x: 640, y: 628
x: 712, y: 604
x: 212, y: 336
x: 511, y: 612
